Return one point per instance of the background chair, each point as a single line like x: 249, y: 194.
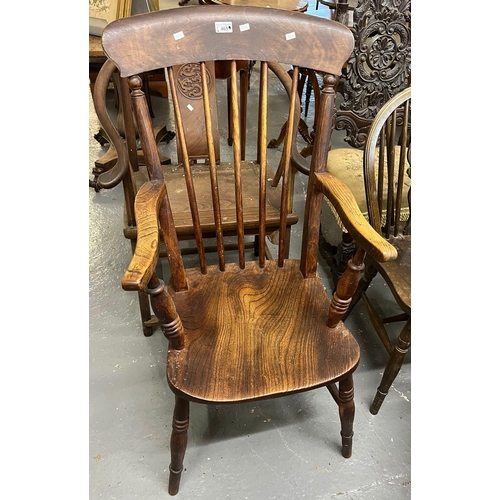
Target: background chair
x: 387, y: 178
x: 347, y: 165
x: 245, y: 330
x: 186, y: 96
x: 378, y: 69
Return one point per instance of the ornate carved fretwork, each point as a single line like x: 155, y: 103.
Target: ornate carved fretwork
x: 189, y: 81
x: 379, y: 66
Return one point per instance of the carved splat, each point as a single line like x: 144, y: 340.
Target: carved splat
x: 379, y: 66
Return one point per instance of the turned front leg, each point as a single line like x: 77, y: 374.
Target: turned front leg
x: 346, y: 411
x: 178, y: 443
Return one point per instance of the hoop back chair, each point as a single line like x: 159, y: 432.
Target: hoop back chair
x: 245, y: 330
x: 386, y: 166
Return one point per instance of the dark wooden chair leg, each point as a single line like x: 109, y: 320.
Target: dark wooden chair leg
x: 345, y: 251
x: 147, y: 319
x: 274, y: 143
x: 346, y: 411
x: 393, y: 367
x: 178, y: 443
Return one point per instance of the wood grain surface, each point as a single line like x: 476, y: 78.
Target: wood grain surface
x: 256, y: 333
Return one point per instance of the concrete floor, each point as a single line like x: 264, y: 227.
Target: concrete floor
x: 287, y: 448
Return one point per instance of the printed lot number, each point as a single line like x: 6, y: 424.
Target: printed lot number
x: 224, y: 27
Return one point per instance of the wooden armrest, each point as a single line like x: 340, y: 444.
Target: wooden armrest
x: 147, y: 205
x: 114, y: 175
x: 354, y: 221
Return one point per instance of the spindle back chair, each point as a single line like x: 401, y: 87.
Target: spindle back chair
x: 386, y: 166
x: 255, y: 329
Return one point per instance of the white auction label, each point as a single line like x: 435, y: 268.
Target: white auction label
x: 244, y: 27
x: 224, y: 27
x: 290, y: 36
x: 178, y: 35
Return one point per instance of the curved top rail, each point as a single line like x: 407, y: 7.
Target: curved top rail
x: 170, y: 37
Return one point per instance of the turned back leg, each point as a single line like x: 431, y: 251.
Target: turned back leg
x: 393, y: 366
x: 363, y: 284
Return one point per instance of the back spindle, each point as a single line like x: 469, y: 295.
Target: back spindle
x: 213, y: 169
x: 262, y: 159
x: 237, y: 165
x: 401, y: 167
x: 287, y: 152
x: 391, y: 142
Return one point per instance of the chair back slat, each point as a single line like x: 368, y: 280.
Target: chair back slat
x: 262, y: 159
x: 287, y: 152
x: 188, y: 92
x: 187, y: 172
x: 213, y: 170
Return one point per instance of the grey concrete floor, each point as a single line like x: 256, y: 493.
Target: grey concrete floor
x: 288, y: 448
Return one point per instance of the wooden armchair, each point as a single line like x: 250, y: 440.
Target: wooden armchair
x: 251, y: 329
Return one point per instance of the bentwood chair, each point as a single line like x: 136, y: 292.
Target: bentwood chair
x: 256, y: 329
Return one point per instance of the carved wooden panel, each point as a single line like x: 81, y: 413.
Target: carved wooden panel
x: 187, y: 78
x: 379, y: 66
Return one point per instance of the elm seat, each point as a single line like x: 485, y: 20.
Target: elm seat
x: 227, y: 323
